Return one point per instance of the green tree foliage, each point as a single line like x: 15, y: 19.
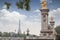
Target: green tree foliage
x: 12, y: 34
x: 19, y: 5
x: 5, y: 34
x: 57, y: 37
x: 22, y: 4
x: 57, y: 29
x: 7, y: 5
x: 0, y: 33
x: 26, y: 4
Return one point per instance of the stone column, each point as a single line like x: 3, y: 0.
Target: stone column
x: 44, y: 20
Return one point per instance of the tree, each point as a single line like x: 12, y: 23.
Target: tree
x: 57, y: 29
x: 5, y: 34
x: 22, y: 4
x: 57, y: 37
x: 7, y: 5
x: 0, y: 33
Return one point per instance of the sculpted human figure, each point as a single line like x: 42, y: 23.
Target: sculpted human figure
x: 44, y: 4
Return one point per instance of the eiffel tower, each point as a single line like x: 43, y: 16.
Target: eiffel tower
x: 19, y: 30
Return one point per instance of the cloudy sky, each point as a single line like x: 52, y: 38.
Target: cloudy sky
x: 9, y: 19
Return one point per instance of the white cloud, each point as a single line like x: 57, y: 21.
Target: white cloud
x: 56, y: 14
x: 37, y: 10
x: 9, y: 22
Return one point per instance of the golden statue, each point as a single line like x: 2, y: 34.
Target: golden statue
x: 44, y: 4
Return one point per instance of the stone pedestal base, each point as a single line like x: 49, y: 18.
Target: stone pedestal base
x: 39, y: 39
